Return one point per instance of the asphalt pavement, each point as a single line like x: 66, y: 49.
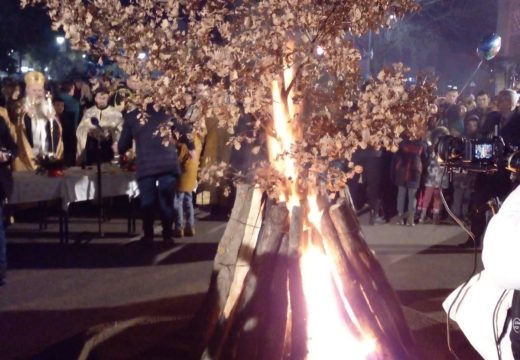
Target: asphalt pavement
x: 57, y: 296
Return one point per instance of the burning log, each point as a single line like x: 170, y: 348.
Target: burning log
x: 297, y: 313
x: 298, y: 291
x: 388, y: 320
x: 242, y: 228
x: 242, y: 331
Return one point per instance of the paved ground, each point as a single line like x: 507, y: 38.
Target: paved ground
x: 56, y: 293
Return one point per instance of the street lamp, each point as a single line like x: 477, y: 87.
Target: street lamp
x: 60, y: 40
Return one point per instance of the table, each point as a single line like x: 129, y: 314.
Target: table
x: 75, y: 185
x: 29, y: 187
x: 80, y: 184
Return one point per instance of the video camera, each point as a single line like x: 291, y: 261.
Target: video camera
x: 485, y: 154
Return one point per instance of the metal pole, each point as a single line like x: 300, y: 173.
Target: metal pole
x: 99, y: 189
x: 471, y: 77
x: 99, y: 183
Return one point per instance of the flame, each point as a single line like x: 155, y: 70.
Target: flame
x: 329, y: 337
x: 314, y: 214
x: 332, y: 327
x: 328, y: 331
x: 281, y: 144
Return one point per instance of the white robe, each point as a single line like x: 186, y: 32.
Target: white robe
x: 109, y: 119
x: 39, y: 121
x: 480, y: 309
x: 501, y: 249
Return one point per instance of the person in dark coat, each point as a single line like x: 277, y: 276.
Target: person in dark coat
x: 158, y: 168
x: 69, y: 122
x: 498, y: 184
x: 407, y: 168
x: 370, y: 159
x: 8, y: 151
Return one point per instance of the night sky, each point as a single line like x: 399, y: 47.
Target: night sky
x: 443, y: 36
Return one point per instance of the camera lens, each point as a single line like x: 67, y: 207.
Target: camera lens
x: 450, y: 148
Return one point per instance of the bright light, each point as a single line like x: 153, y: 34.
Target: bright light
x: 320, y: 50
x: 83, y: 56
x: 141, y: 56
x: 280, y: 146
x: 314, y: 215
x: 60, y: 40
x: 25, y: 69
x: 329, y: 337
x: 329, y: 334
x: 46, y: 69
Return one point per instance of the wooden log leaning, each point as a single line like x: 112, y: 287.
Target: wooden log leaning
x: 276, y: 329
x: 397, y: 341
x: 298, y: 309
x: 242, y: 227
x: 244, y: 325
x: 350, y: 284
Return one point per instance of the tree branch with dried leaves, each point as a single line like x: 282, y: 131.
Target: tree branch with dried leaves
x: 224, y: 56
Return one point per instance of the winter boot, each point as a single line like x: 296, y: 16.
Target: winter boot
x: 410, y: 221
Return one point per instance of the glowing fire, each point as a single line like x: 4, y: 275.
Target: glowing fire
x: 329, y: 335
x: 280, y: 146
x: 329, y: 313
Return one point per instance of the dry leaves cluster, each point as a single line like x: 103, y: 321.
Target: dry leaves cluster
x: 222, y: 56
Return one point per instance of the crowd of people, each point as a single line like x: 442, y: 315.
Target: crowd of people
x: 82, y: 122
x: 417, y: 175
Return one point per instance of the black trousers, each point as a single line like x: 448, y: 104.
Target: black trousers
x: 487, y: 187
x: 372, y: 178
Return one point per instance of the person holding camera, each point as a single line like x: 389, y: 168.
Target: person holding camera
x: 8, y: 151
x: 504, y: 123
x: 499, y: 256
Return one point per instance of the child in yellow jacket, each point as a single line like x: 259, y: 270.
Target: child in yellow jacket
x: 185, y: 214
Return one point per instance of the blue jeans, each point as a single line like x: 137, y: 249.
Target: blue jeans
x: 3, y: 245
x: 402, y: 193
x: 157, y: 188
x: 184, y: 210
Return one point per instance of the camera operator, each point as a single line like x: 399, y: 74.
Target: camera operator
x: 497, y: 184
x: 500, y: 259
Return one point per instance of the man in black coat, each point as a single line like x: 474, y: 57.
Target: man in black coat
x: 8, y: 151
x: 157, y: 163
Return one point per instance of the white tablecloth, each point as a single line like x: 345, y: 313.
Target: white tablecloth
x: 30, y: 187
x: 76, y: 185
